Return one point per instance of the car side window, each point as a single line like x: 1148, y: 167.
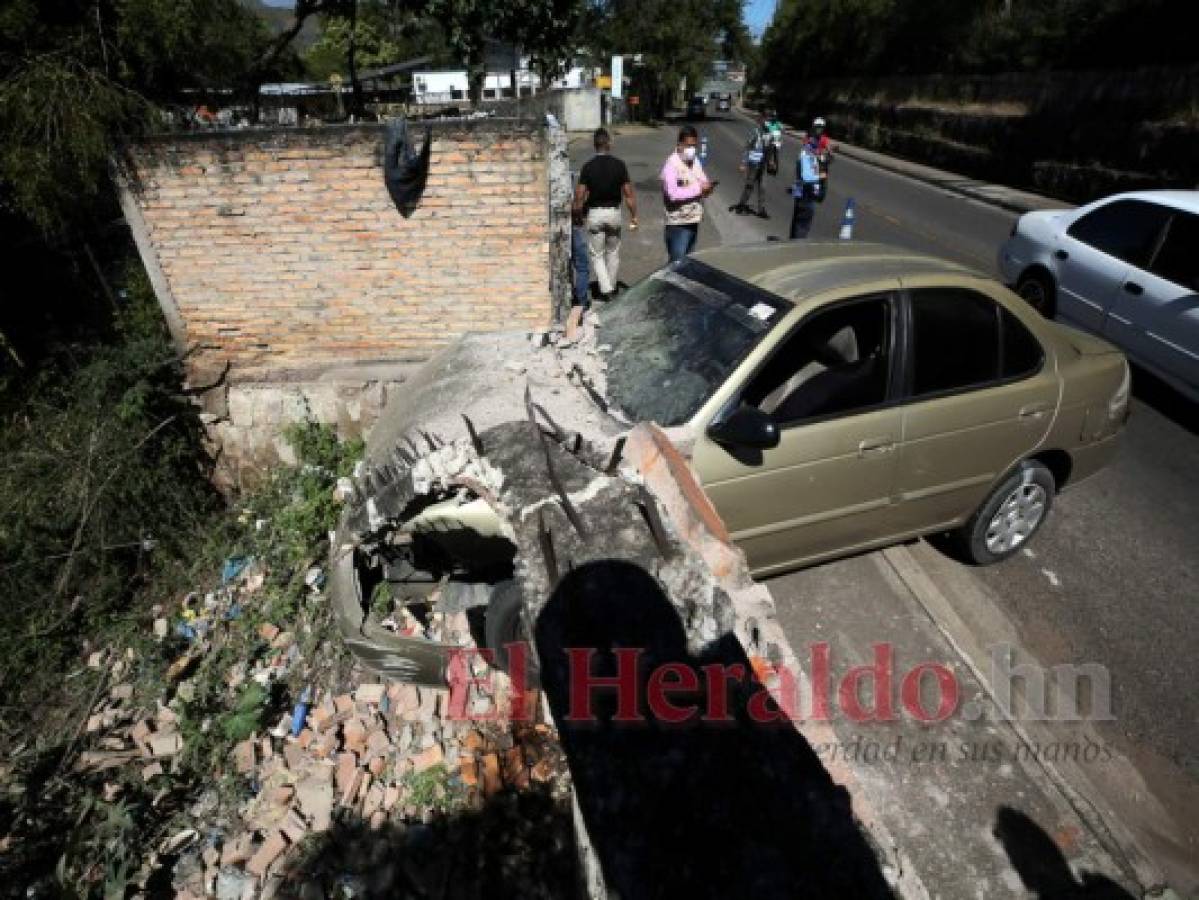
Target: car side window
x: 962, y: 339
x: 1126, y: 229
x: 1178, y: 258
x: 835, y: 363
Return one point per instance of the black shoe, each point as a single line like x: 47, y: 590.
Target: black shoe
x: 735, y: 208
x: 762, y: 214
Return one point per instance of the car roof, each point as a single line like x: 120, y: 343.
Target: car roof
x: 1186, y: 200
x: 797, y: 269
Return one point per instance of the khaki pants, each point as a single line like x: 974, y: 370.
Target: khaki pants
x: 603, y: 246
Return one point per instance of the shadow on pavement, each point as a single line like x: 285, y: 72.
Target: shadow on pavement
x: 1152, y: 391
x: 1042, y: 866
x: 701, y: 809
x: 518, y: 846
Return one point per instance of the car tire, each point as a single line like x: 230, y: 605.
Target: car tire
x: 504, y: 624
x: 1037, y: 290
x: 1010, y: 516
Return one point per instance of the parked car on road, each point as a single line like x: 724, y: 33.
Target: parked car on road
x: 1125, y: 267
x: 830, y: 398
x: 696, y: 107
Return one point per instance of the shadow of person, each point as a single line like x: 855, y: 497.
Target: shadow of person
x: 1042, y: 866
x: 721, y: 805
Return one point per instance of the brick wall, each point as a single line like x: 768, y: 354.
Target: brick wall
x: 281, y: 252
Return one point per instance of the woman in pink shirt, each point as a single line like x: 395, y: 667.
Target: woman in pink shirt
x: 684, y: 187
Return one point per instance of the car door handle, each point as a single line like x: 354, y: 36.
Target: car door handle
x: 1061, y: 254
x: 875, y: 446
x: 1133, y: 288
x: 1035, y: 410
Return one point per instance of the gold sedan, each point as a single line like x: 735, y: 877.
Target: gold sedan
x: 848, y: 396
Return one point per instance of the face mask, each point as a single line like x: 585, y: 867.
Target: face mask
x: 688, y: 154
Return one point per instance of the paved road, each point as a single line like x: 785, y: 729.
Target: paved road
x: 1112, y: 577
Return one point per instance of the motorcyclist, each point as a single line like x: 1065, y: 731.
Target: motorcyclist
x: 774, y: 144
x: 822, y: 148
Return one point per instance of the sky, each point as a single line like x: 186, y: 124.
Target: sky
x: 758, y: 14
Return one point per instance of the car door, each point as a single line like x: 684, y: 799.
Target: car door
x: 981, y: 394
x: 1095, y: 253
x: 1156, y: 312
x: 827, y: 487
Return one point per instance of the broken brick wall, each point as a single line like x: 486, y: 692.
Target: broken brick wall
x: 281, y: 262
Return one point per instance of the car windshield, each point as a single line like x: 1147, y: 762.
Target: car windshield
x: 673, y: 339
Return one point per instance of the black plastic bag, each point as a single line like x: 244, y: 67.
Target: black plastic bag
x: 405, y: 170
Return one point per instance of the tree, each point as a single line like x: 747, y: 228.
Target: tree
x: 542, y: 29
x: 328, y: 54
x: 76, y: 77
x: 677, y: 39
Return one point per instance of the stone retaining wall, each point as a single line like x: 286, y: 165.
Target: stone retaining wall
x: 1073, y: 135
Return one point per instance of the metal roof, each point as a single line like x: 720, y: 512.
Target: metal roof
x: 394, y: 68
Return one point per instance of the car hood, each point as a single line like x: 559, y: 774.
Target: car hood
x: 486, y: 377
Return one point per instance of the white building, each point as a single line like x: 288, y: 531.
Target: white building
x: 575, y: 78
x: 448, y: 87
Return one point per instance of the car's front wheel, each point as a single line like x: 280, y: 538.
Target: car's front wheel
x: 1036, y: 288
x: 1010, y: 516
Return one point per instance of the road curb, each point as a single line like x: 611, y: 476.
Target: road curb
x: 1067, y: 778
x: 982, y: 191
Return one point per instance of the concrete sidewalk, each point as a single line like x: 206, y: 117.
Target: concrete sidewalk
x: 974, y: 807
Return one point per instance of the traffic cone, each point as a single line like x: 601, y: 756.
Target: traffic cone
x: 847, y: 221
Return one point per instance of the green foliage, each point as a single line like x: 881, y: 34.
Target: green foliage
x: 98, y: 846
x: 78, y: 78
x: 245, y: 717
x: 101, y: 485
x: 58, y: 118
x: 102, y: 849
x: 813, y: 38
x: 432, y: 789
x: 329, y: 53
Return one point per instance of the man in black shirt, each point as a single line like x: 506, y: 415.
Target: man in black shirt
x: 603, y: 183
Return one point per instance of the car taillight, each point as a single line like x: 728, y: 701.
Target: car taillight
x: 1117, y: 406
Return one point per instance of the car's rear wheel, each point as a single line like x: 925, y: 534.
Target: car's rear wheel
x: 1036, y: 288
x: 1010, y: 516
x: 504, y: 625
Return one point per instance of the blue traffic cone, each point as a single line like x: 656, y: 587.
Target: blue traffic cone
x: 847, y: 221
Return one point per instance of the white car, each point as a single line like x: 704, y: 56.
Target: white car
x: 1125, y: 267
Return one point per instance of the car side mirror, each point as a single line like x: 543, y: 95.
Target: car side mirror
x: 746, y: 426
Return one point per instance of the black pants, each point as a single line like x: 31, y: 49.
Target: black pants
x: 753, y: 176
x: 802, y: 215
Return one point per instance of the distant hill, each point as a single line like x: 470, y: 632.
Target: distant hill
x: 279, y: 19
